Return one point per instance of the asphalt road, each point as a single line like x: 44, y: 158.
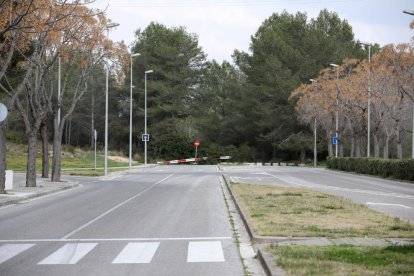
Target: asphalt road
x: 158, y: 221
x: 391, y: 197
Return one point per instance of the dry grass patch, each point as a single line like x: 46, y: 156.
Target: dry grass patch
x: 281, y: 211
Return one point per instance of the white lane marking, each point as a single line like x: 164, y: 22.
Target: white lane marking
x: 202, y: 252
x: 70, y: 253
x: 137, y: 253
x: 8, y: 251
x: 114, y: 208
x: 388, y: 204
x: 312, y: 185
x: 121, y: 239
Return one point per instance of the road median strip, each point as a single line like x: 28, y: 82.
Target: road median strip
x: 298, y: 217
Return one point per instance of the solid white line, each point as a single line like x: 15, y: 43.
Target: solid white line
x: 8, y: 251
x: 114, y: 208
x: 137, y: 253
x: 70, y: 253
x: 203, y: 252
x: 314, y: 186
x: 388, y: 204
x: 120, y: 239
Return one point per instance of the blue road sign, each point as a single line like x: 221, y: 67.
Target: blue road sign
x: 335, y: 140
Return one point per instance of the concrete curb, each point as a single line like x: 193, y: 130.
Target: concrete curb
x: 267, y: 261
x: 38, y: 194
x: 263, y: 257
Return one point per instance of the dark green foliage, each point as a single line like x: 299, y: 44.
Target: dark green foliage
x: 172, y: 146
x: 288, y: 50
x: 398, y: 169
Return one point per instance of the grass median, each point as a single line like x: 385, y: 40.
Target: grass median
x: 291, y: 212
x: 345, y: 260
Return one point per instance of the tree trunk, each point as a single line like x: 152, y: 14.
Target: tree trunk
x: 57, y: 149
x: 329, y: 141
x: 357, y: 147
x: 3, y: 164
x: 341, y: 149
x: 302, y: 156
x: 376, y: 146
x: 386, y: 146
x: 31, y: 160
x: 352, y: 153
x: 399, y: 145
x: 45, y: 151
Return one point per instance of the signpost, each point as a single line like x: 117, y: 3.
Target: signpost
x: 196, y: 144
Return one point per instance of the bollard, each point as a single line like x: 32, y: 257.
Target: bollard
x: 9, y: 180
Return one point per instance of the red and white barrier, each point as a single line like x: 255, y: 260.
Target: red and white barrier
x: 189, y: 160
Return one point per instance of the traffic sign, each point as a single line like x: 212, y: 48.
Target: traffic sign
x: 335, y: 140
x: 145, y: 137
x: 3, y: 112
x: 196, y: 143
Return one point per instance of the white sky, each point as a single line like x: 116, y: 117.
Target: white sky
x: 226, y: 25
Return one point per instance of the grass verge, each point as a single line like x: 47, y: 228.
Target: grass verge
x: 345, y: 260
x: 82, y: 160
x: 280, y: 211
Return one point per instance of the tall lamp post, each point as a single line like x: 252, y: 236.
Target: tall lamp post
x: 130, y: 115
x: 337, y: 108
x: 412, y: 143
x: 369, y: 97
x: 314, y: 130
x: 145, y: 127
x: 108, y: 26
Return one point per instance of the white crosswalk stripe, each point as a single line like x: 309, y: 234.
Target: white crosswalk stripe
x: 137, y: 253
x: 132, y: 253
x: 8, y: 251
x: 205, y: 251
x: 70, y: 253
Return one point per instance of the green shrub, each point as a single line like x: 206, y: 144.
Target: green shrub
x: 398, y: 169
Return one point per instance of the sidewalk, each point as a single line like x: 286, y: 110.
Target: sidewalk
x: 43, y: 187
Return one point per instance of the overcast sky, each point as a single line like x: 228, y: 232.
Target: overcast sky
x: 226, y: 25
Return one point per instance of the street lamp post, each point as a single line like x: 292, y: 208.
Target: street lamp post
x: 369, y: 97
x: 412, y: 136
x: 314, y: 130
x: 145, y: 127
x: 94, y: 138
x: 130, y: 115
x: 108, y: 26
x: 337, y: 108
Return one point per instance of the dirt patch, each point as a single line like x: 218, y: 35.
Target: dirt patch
x: 119, y: 159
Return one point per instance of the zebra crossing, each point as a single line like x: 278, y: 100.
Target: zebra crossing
x: 132, y: 253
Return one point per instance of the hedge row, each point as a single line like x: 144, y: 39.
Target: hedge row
x: 398, y: 169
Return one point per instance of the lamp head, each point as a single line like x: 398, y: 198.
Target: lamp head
x: 112, y: 25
